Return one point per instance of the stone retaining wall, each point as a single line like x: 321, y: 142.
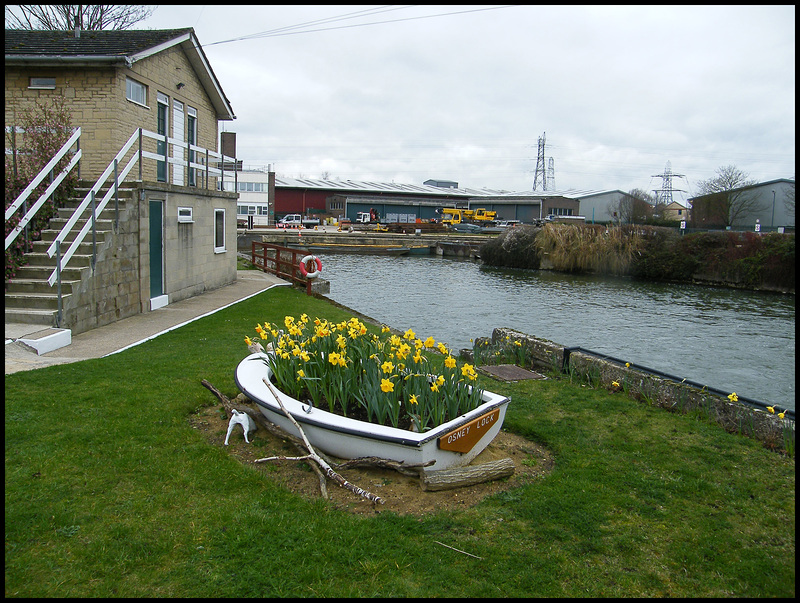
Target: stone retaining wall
x: 646, y: 387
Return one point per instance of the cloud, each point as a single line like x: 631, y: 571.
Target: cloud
x: 618, y: 90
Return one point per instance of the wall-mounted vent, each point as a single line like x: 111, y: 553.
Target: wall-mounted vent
x: 185, y: 215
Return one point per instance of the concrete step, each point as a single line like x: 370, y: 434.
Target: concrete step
x: 70, y: 273
x: 35, y: 285
x: 28, y: 316
x: 39, y: 256
x: 34, y: 301
x: 65, y: 213
x: 48, y: 236
x: 103, y: 223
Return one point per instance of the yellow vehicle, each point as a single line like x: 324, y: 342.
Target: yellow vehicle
x: 452, y: 215
x: 480, y: 215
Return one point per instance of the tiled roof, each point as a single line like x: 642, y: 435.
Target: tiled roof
x: 106, y: 43
x: 44, y: 47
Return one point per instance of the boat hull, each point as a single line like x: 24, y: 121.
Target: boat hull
x: 452, y: 444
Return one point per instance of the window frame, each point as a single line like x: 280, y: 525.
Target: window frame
x: 128, y: 89
x: 219, y: 248
x: 40, y: 85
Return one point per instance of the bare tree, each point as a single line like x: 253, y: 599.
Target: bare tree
x: 633, y: 208
x: 789, y: 200
x: 72, y: 16
x: 729, y: 194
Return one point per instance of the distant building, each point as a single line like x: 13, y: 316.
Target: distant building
x: 441, y: 183
x: 770, y: 204
x: 675, y: 211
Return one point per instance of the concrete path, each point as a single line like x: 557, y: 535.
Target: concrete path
x: 134, y: 330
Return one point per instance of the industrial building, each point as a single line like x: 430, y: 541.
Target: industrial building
x: 267, y: 198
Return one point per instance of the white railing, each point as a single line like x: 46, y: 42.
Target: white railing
x: 96, y: 208
x: 112, y: 171
x: 47, y: 169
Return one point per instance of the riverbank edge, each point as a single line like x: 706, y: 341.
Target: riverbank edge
x: 735, y: 260
x: 763, y: 425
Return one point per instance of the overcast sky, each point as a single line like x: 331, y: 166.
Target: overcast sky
x: 465, y: 96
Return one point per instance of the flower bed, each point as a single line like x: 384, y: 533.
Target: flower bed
x: 383, y: 379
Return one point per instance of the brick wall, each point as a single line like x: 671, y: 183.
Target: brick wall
x: 99, y: 106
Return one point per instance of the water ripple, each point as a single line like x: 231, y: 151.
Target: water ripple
x: 730, y: 339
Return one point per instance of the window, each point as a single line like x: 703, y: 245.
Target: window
x: 135, y: 91
x: 191, y: 138
x: 42, y: 83
x: 161, y: 128
x: 219, y: 231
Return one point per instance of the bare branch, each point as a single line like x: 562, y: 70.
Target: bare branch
x: 66, y: 17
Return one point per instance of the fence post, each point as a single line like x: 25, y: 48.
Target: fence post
x: 116, y: 197
x: 140, y: 155
x: 94, y: 236
x: 58, y: 280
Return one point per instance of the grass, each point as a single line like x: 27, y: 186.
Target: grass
x: 110, y: 492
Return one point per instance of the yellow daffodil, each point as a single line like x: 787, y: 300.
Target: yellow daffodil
x: 615, y: 383
x: 627, y: 365
x: 413, y: 399
x: 387, y: 386
x: 781, y: 414
x: 434, y: 387
x: 450, y: 362
x: 387, y: 367
x: 430, y: 342
x: 733, y: 397
x: 409, y: 334
x: 771, y: 409
x: 442, y: 348
x: 333, y: 358
x: 248, y: 342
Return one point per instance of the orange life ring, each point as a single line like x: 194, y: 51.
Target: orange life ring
x: 304, y: 269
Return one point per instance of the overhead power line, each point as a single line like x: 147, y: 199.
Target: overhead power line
x: 296, y: 29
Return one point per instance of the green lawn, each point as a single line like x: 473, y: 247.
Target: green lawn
x: 110, y: 492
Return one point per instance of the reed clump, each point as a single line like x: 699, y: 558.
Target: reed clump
x: 589, y: 248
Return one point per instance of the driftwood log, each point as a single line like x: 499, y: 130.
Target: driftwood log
x: 469, y: 475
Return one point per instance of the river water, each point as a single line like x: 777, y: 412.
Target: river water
x: 729, y: 339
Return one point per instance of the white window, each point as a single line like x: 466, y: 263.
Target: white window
x: 135, y: 91
x: 42, y: 83
x: 219, y: 231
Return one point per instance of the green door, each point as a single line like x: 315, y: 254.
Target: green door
x: 156, y: 249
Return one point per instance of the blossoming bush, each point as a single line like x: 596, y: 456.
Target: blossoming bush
x: 47, y: 127
x: 385, y: 377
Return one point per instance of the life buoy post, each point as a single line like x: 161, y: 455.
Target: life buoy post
x: 310, y: 266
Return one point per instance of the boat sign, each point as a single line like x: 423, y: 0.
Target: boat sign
x: 466, y: 436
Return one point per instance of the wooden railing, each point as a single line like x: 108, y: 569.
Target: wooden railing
x: 281, y: 261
